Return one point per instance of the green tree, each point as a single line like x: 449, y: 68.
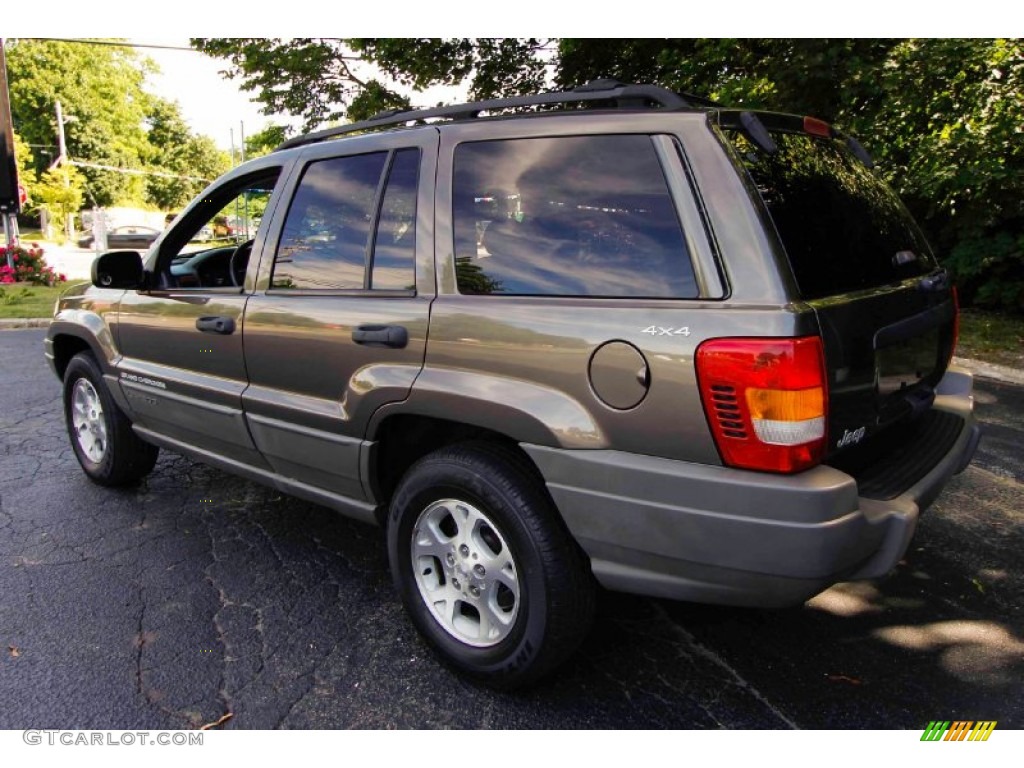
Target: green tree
x: 23, y: 160
x: 100, y: 88
x: 320, y: 80
x: 190, y: 161
x: 950, y: 130
x: 61, y: 190
x: 114, y: 122
x: 265, y: 141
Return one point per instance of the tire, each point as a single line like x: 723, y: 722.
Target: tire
x: 101, y: 435
x: 485, y: 567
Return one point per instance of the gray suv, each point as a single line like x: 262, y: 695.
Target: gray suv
x: 611, y: 336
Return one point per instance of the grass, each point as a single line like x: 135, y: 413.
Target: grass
x: 994, y: 337
x: 19, y: 300
x: 33, y: 236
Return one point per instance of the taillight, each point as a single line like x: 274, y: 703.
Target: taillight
x: 765, y: 399
x: 956, y: 325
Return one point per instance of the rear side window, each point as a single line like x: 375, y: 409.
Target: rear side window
x: 323, y: 245
x: 394, y: 248
x: 842, y: 227
x: 567, y: 216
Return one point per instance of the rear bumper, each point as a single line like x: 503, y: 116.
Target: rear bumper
x: 714, y: 534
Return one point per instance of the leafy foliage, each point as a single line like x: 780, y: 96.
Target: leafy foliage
x: 29, y: 267
x: 111, y: 120
x: 305, y: 76
x: 322, y: 79
x: 61, y: 190
x: 265, y: 141
x: 502, y: 66
x: 23, y: 160
x: 954, y: 122
x: 174, y: 150
x: 100, y: 89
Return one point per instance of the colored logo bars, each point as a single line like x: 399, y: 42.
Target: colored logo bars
x: 960, y: 730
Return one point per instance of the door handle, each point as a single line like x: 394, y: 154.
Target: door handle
x: 381, y: 336
x: 222, y: 325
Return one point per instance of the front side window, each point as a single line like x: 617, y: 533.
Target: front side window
x: 347, y: 231
x: 567, y: 216
x: 210, y: 248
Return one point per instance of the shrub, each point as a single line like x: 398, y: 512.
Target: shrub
x: 29, y: 267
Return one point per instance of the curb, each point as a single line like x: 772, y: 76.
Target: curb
x: 24, y: 322
x: 1003, y: 373
x: 983, y: 370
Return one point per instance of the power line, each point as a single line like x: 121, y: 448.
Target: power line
x: 133, y: 172
x: 82, y: 41
x: 116, y: 44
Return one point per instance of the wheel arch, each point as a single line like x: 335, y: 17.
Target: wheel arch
x: 83, y: 332
x: 65, y: 339
x: 401, y: 439
x: 65, y: 347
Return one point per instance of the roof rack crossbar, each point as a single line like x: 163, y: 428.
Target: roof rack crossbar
x: 627, y: 96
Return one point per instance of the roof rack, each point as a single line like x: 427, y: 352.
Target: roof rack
x: 624, y: 96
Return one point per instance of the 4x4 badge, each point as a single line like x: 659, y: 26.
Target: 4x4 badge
x: 657, y: 330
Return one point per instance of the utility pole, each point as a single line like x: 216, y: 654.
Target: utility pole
x: 10, y: 191
x: 63, y: 159
x: 241, y: 128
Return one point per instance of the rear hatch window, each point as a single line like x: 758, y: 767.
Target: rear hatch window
x: 842, y: 227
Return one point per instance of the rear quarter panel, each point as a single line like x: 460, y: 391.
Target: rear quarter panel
x: 520, y: 365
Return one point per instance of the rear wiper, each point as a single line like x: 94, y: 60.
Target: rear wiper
x: 757, y: 133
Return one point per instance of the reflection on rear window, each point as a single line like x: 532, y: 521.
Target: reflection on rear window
x: 843, y: 229
x: 567, y: 216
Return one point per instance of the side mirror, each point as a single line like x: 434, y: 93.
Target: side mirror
x: 118, y: 269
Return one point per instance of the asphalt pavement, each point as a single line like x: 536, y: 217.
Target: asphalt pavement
x: 199, y: 594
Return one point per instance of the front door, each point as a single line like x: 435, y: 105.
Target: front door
x: 183, y: 370
x: 339, y: 326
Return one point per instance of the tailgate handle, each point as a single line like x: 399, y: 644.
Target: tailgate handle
x: 381, y: 336
x: 222, y: 325
x: 920, y: 400
x: 937, y: 282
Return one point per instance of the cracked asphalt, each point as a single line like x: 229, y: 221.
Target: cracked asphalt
x: 197, y: 594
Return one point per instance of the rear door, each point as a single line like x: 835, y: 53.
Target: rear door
x: 859, y: 261
x: 338, y: 326
x: 576, y: 276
